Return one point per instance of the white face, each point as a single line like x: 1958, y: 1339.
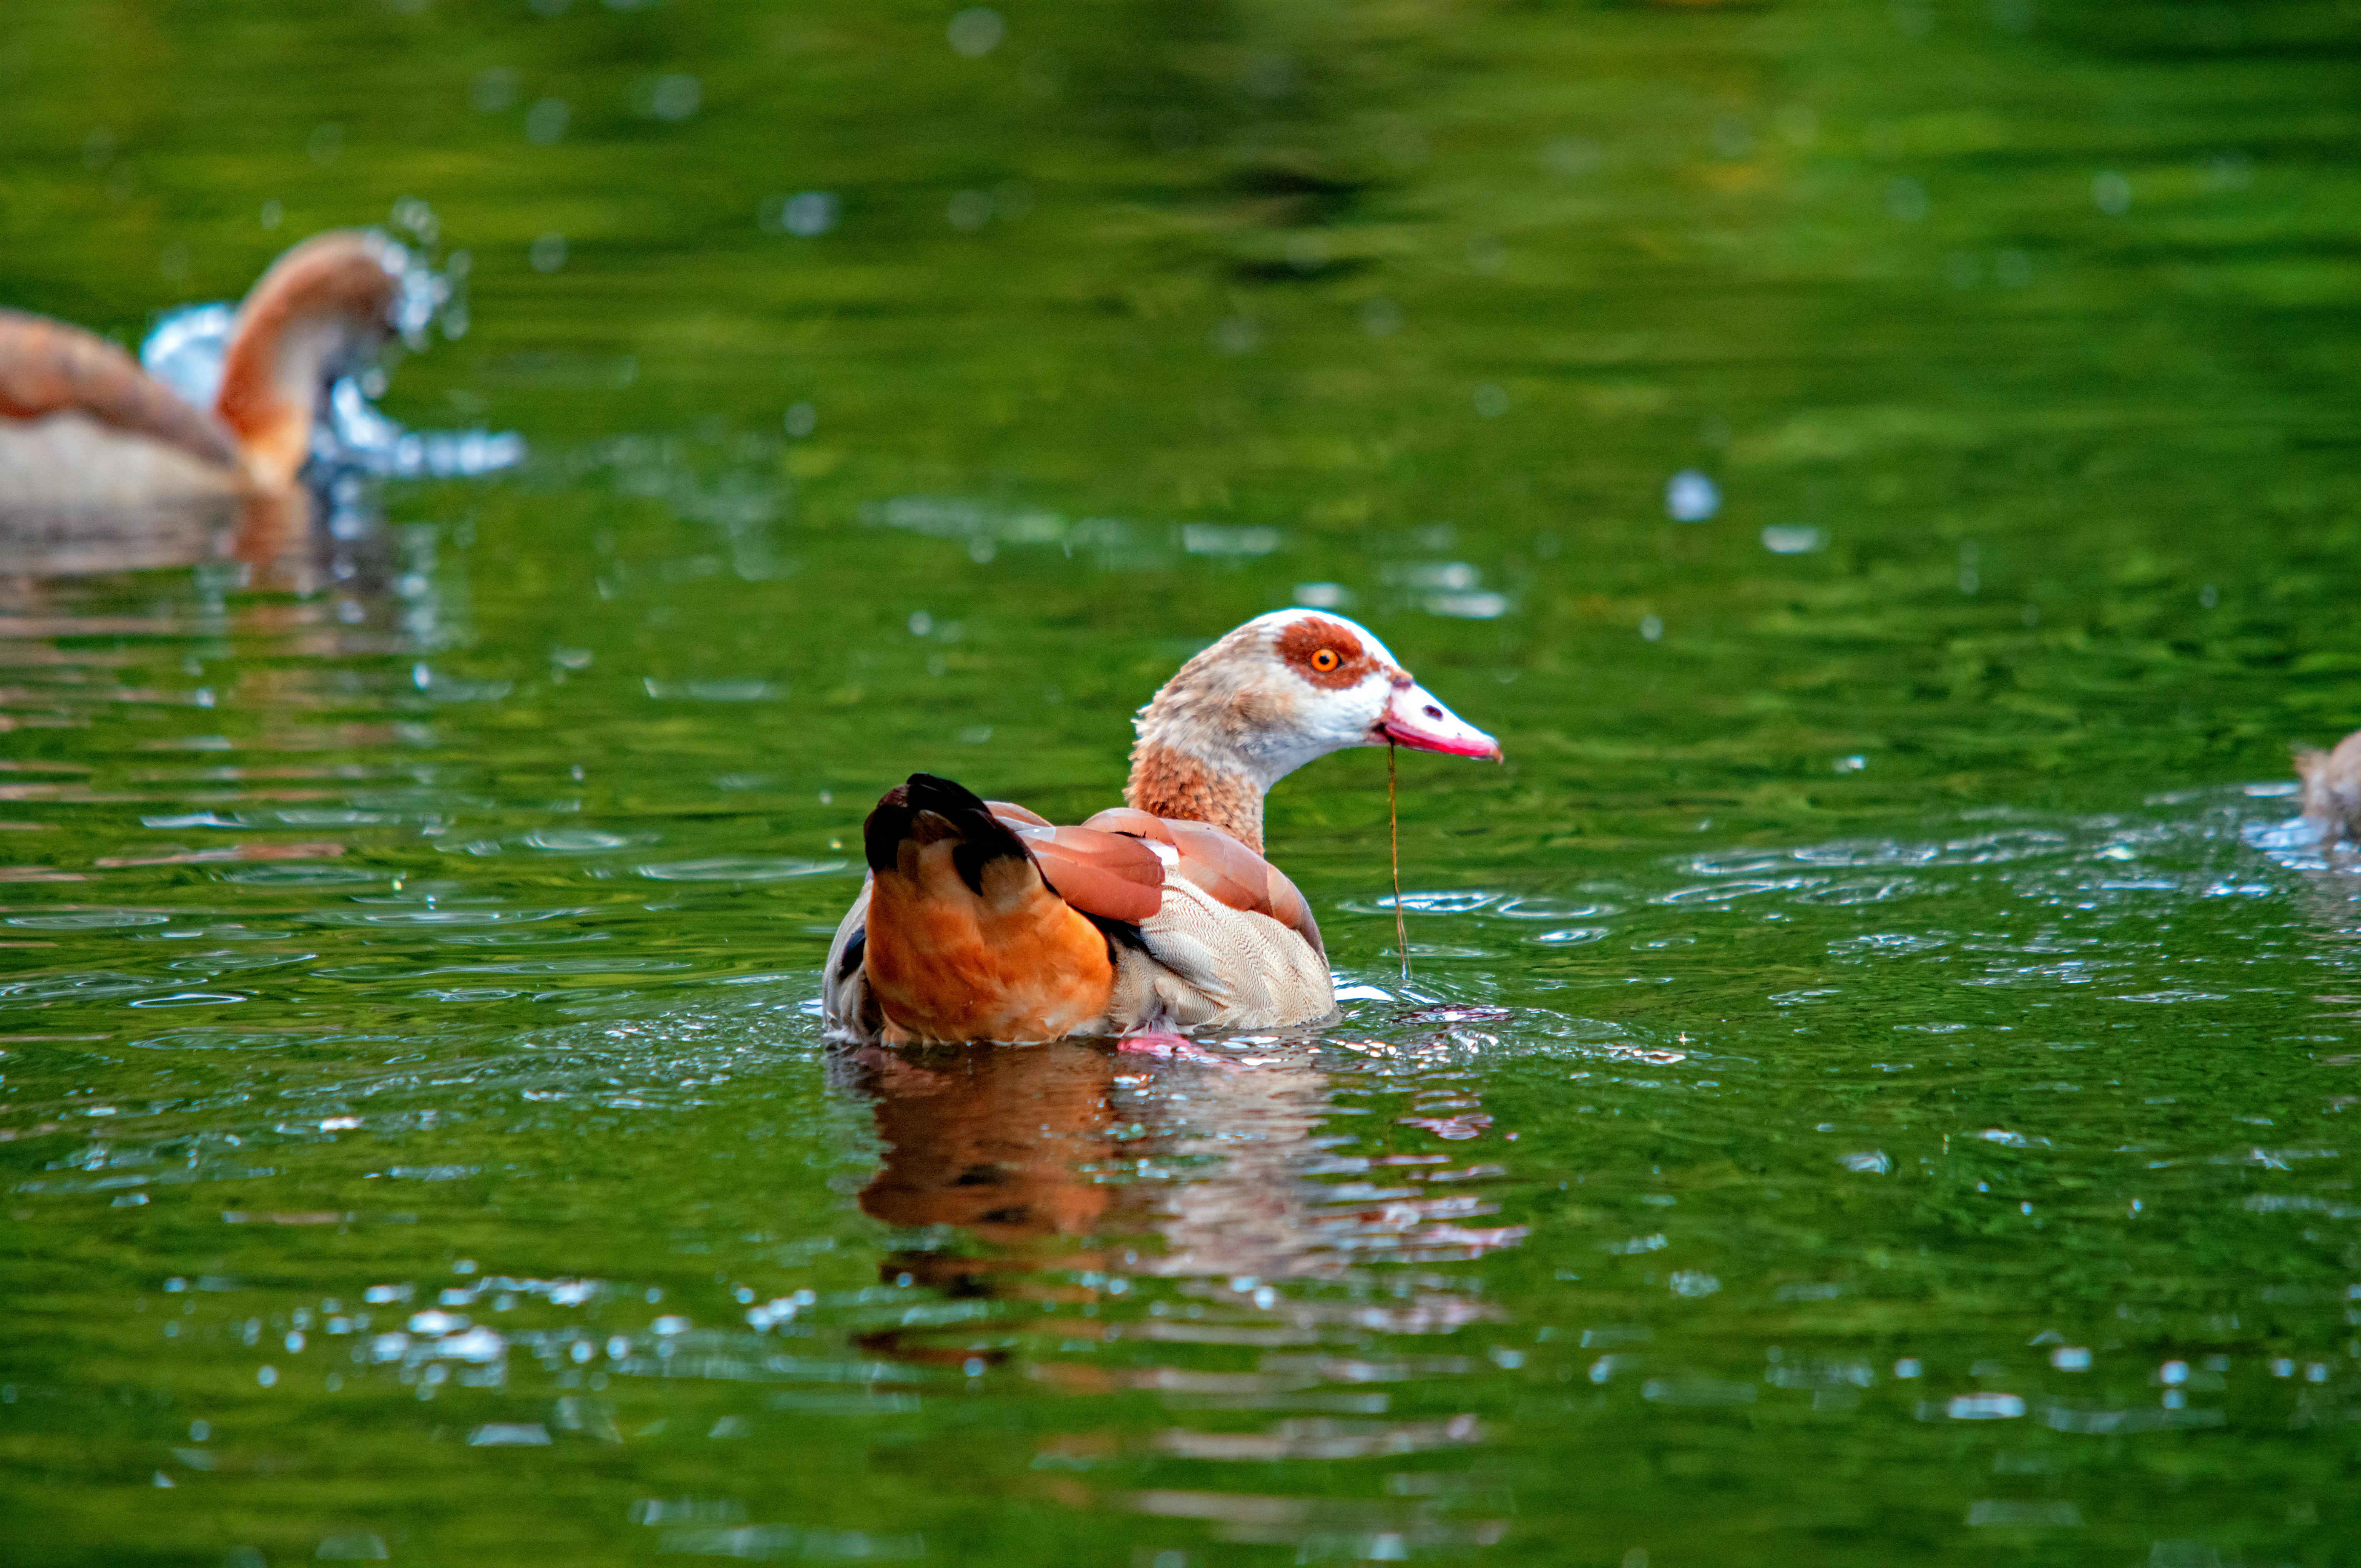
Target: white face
x: 1313, y: 683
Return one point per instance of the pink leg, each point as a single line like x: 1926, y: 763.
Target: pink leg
x: 1172, y: 1048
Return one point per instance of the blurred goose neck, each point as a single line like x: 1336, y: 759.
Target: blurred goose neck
x: 321, y: 307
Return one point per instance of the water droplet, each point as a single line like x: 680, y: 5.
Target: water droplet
x: 975, y: 32
x: 1691, y: 497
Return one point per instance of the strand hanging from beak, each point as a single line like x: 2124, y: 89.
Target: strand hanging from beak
x: 1393, y: 834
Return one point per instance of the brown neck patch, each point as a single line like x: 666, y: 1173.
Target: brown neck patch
x: 1325, y: 654
x: 1166, y: 783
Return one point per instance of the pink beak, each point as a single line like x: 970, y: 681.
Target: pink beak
x: 1416, y: 720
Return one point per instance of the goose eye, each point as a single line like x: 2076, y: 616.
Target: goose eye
x: 1325, y: 660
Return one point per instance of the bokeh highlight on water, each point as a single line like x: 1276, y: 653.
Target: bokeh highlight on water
x: 1876, y: 1078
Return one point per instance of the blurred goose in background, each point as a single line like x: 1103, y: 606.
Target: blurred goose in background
x: 979, y: 920
x: 2332, y: 790
x: 83, y: 426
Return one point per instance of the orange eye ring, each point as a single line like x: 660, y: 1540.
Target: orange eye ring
x: 1325, y: 660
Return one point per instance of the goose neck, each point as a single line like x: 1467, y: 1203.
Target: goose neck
x: 1167, y: 781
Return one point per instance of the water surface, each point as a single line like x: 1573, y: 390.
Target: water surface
x: 1876, y: 1080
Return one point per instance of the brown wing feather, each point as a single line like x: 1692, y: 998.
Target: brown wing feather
x: 1241, y: 879
x: 49, y: 367
x: 1104, y: 866
x: 1133, y: 823
x: 1104, y: 874
x: 1221, y: 865
x: 1289, y: 907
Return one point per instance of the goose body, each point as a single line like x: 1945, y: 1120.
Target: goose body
x: 2332, y: 790
x: 83, y: 427
x: 981, y: 920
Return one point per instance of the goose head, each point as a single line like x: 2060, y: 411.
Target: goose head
x: 1273, y: 694
x: 320, y: 311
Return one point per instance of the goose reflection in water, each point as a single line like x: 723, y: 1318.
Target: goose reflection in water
x: 265, y: 533
x: 354, y: 587
x: 1025, y: 1151
x: 1070, y: 1181
x: 997, y: 1142
x: 1011, y: 1144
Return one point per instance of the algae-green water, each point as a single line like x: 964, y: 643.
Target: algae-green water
x: 1876, y: 1082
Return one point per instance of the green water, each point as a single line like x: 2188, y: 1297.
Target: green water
x: 1876, y: 1086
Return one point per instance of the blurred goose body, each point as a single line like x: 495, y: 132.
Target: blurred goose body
x: 2332, y: 790
x: 83, y: 426
x: 981, y: 920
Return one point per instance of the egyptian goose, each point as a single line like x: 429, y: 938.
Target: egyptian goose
x: 83, y: 426
x: 981, y: 921
x: 2332, y: 790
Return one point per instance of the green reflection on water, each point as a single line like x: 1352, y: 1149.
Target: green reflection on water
x: 1870, y: 944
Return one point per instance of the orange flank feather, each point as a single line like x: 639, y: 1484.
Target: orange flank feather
x: 1015, y: 963
x: 966, y: 940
